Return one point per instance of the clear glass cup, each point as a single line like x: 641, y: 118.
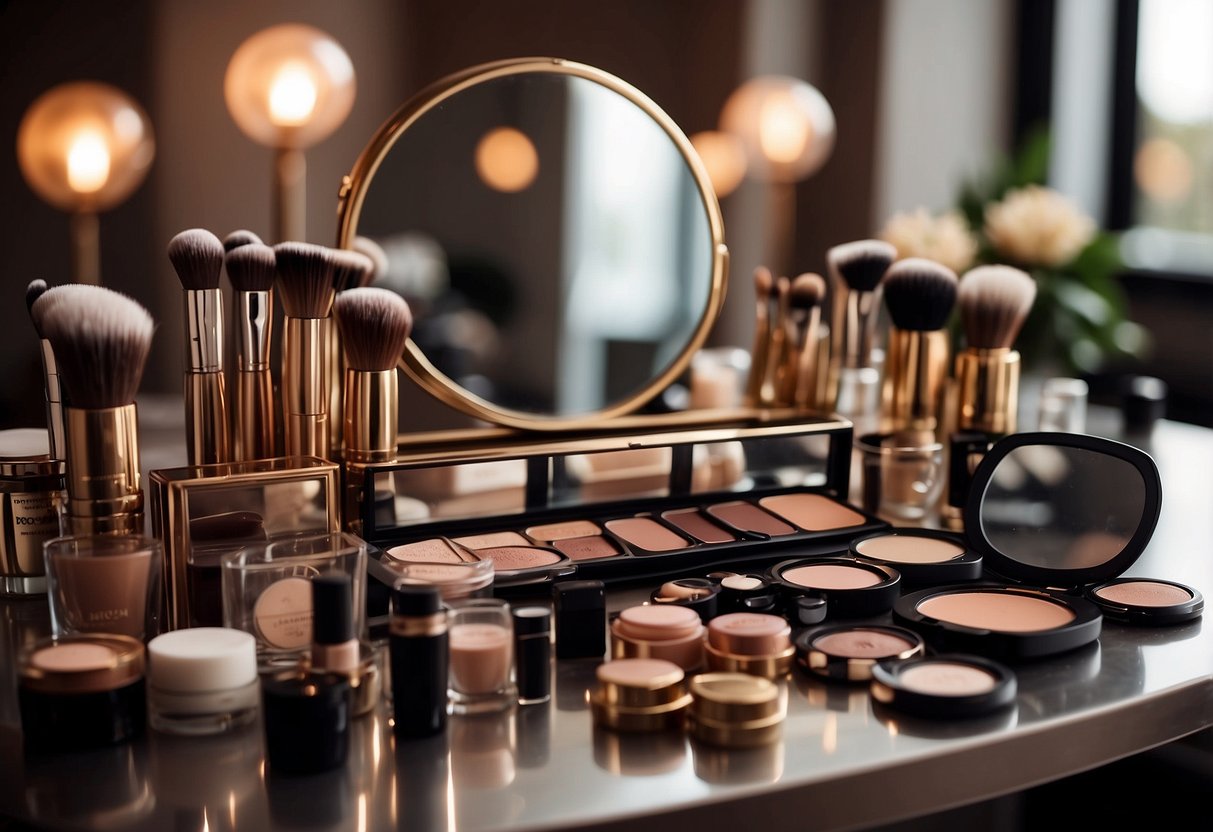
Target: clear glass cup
x: 105, y: 584
x: 902, y: 475
x: 1063, y: 405
x: 482, y: 656
x: 267, y: 589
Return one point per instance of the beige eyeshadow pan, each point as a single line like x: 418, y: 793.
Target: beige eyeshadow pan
x: 490, y: 539
x: 749, y: 517
x: 896, y: 548
x: 506, y: 558
x: 1144, y: 594
x: 831, y: 576
x: 647, y: 534
x: 433, y: 550
x: 945, y: 678
x: 812, y: 512
x: 591, y: 547
x: 563, y: 530
x: 1002, y: 612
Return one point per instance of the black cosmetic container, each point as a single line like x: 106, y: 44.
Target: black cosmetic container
x: 419, y: 646
x: 307, y: 721
x: 581, y: 625
x: 533, y: 654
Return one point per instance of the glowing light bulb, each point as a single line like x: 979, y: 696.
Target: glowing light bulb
x: 785, y: 124
x: 506, y: 160
x: 292, y: 95
x: 88, y: 162
x: 783, y: 131
x: 723, y: 155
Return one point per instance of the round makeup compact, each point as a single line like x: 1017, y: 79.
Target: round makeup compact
x: 750, y: 642
x: 659, y: 631
x: 747, y: 593
x: 736, y: 710
x: 1146, y: 601
x: 946, y: 686
x: 852, y: 588
x: 640, y: 695
x: 850, y: 653
x: 698, y: 594
x: 923, y: 557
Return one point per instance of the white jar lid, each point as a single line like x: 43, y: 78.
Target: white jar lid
x: 202, y: 659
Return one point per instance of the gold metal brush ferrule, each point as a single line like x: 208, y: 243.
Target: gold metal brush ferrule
x: 305, y: 388
x: 987, y: 390
x: 206, y: 422
x: 54, y: 401
x: 254, y: 322
x: 253, y: 423
x: 103, y: 490
x: 916, y: 369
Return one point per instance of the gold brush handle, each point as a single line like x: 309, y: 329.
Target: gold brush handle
x: 206, y: 425
x: 305, y: 388
x: 253, y: 423
x: 102, y: 455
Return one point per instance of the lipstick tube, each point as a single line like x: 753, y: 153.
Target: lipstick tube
x: 305, y: 389
x: 102, y: 455
x: 253, y: 413
x: 206, y: 424
x: 916, y: 370
x: 987, y: 385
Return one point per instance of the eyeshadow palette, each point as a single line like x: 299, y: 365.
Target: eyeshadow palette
x: 530, y: 510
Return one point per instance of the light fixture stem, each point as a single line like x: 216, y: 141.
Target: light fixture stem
x: 290, y: 195
x: 86, y: 248
x: 781, y: 223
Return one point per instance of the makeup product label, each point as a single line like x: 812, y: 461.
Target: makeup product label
x: 283, y: 613
x: 107, y: 594
x: 32, y: 519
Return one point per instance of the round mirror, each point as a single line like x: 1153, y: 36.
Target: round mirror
x: 1065, y: 509
x: 554, y: 233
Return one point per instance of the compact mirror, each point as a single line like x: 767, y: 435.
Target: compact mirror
x: 1063, y: 509
x: 555, y: 234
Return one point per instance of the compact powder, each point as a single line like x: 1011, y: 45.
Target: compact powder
x: 434, y: 550
x: 862, y: 643
x: 484, y: 541
x: 831, y: 576
x: 640, y: 673
x: 1144, y: 594
x: 897, y: 548
x: 691, y: 521
x: 657, y: 622
x: 587, y: 548
x: 812, y: 512
x: 945, y: 678
x: 563, y: 531
x: 282, y: 613
x: 76, y: 658
x: 647, y: 534
x: 749, y: 634
x: 749, y: 517
x: 998, y: 611
x: 505, y: 558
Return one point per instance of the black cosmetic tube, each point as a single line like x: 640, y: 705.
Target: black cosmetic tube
x: 419, y: 646
x: 533, y: 654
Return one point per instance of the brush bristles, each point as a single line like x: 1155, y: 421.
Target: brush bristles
x: 378, y: 256
x: 251, y: 268
x: 919, y: 294
x: 808, y: 290
x: 240, y: 237
x: 861, y: 263
x: 35, y: 289
x: 994, y: 303
x: 351, y: 269
x: 764, y: 283
x: 374, y: 325
x: 197, y: 257
x: 305, y: 279
x: 101, y: 341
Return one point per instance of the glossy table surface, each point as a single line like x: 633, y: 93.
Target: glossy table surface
x: 841, y: 764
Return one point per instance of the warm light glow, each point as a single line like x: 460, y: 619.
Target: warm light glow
x: 88, y: 162
x: 292, y: 95
x: 506, y: 160
x: 1163, y: 170
x: 723, y: 155
x: 783, y: 131
x: 362, y: 827
x: 829, y: 734
x: 206, y: 824
x: 231, y: 808
x: 376, y: 745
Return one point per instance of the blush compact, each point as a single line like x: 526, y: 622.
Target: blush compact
x: 1057, y: 519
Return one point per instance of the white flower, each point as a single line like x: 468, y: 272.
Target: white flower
x: 944, y: 238
x: 1037, y: 226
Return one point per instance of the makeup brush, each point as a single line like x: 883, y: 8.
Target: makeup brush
x: 804, y: 315
x: 197, y: 257
x: 919, y: 295
x: 305, y: 287
x: 855, y: 272
x: 374, y: 325
x: 351, y: 269
x: 50, y: 372
x: 779, y: 313
x: 764, y: 285
x: 252, y: 268
x: 239, y: 237
x: 994, y: 302
x: 101, y: 341
x: 378, y: 256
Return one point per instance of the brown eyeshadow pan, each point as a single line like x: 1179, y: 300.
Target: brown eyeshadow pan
x: 590, y: 547
x: 647, y: 534
x: 812, y: 512
x: 749, y: 517
x: 692, y: 522
x: 563, y: 530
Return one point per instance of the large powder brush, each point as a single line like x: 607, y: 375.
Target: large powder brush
x: 855, y: 271
x: 52, y: 389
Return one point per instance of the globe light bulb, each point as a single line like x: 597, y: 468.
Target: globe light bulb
x: 785, y: 124
x: 506, y: 160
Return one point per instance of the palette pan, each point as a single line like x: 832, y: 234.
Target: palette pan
x: 923, y: 557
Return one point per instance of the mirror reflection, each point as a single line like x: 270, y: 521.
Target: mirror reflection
x: 1061, y: 507
x: 551, y: 239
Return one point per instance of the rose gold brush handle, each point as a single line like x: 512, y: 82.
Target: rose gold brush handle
x: 54, y: 401
x: 102, y: 456
x: 916, y: 368
x: 206, y: 420
x: 253, y: 422
x: 372, y: 402
x: 305, y: 389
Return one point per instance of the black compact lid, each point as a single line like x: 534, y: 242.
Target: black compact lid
x: 531, y: 620
x: 417, y: 600
x: 579, y: 595
x: 1027, y: 565
x: 332, y: 609
x: 305, y: 696
x: 892, y: 686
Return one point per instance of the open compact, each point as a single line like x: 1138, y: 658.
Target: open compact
x: 852, y: 588
x: 924, y: 557
x: 1059, y: 517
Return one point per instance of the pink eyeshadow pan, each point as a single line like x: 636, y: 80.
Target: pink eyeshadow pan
x: 434, y: 550
x: 812, y: 512
x: 831, y: 576
x: 587, y: 548
x: 1144, y: 594
x: 749, y: 517
x: 647, y: 534
x: 518, y: 557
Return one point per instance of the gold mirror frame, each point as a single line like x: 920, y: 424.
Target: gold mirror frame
x: 353, y: 192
